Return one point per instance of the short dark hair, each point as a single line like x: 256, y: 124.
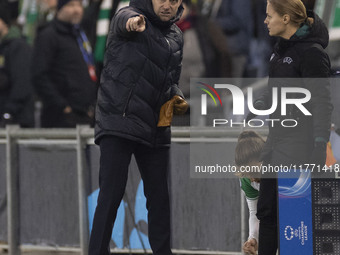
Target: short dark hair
x: 5, y: 12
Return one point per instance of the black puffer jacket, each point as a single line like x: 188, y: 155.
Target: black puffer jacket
x: 16, y: 91
x: 59, y: 72
x: 302, y: 61
x: 141, y: 72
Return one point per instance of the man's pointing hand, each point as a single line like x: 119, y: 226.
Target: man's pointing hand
x: 136, y: 24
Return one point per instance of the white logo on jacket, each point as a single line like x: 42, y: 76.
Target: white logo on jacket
x: 288, y: 60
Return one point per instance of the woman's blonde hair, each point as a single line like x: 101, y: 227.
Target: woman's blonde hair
x: 248, y: 151
x: 248, y: 148
x: 294, y: 8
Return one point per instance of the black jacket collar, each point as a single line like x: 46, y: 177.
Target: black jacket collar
x: 318, y: 33
x: 63, y: 27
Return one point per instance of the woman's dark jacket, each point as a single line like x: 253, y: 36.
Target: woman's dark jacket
x: 302, y: 62
x: 141, y: 72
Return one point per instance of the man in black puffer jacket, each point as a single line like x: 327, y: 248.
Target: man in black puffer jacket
x: 139, y: 83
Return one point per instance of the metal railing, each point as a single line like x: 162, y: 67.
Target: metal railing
x: 11, y: 135
x: 82, y: 135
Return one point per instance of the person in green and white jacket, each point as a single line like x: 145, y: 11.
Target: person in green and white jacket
x: 247, y: 155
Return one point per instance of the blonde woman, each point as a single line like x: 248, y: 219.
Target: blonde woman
x: 299, y: 53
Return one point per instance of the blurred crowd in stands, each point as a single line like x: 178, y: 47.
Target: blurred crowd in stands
x: 51, y: 53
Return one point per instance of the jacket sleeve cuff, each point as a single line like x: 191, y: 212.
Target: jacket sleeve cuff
x: 121, y: 18
x: 176, y: 91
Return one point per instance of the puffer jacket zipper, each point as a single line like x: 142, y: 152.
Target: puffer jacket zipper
x: 127, y: 102
x: 164, y: 81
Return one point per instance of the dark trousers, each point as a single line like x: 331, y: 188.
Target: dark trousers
x: 153, y: 164
x: 292, y: 149
x: 267, y: 214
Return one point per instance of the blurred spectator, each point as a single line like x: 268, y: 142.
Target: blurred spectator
x: 13, y: 6
x: 47, y: 10
x: 63, y: 69
x: 97, y: 10
x: 213, y: 41
x: 35, y: 13
x: 96, y: 23
x: 16, y: 93
x: 236, y: 19
x: 192, y: 63
x: 28, y: 19
x: 261, y: 45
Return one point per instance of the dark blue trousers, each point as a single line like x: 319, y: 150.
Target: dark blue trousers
x: 153, y: 164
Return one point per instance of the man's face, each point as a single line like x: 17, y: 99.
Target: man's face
x: 166, y: 9
x: 72, y: 12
